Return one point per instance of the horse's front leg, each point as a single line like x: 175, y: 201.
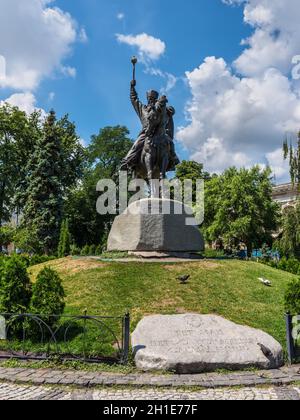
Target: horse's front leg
x: 149, y: 169
x: 163, y: 175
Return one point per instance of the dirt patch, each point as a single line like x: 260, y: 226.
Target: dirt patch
x: 206, y: 265
x: 164, y: 303
x: 76, y: 266
x: 181, y: 311
x: 67, y: 266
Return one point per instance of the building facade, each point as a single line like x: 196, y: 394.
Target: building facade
x: 285, y: 194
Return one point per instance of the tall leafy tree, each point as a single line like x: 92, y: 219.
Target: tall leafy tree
x: 289, y: 241
x: 18, y: 133
x: 6, y: 236
x: 240, y: 208
x: 73, y: 154
x: 64, y: 246
x: 107, y: 149
x: 193, y: 171
x: 104, y: 154
x: 293, y: 155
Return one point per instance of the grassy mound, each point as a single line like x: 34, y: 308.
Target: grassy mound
x: 227, y: 288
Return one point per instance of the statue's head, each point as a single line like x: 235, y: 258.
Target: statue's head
x: 152, y: 96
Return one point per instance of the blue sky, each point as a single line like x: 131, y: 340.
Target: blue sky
x: 98, y: 96
x: 233, y: 65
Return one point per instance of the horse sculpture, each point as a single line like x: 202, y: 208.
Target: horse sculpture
x: 155, y: 156
x: 153, y: 153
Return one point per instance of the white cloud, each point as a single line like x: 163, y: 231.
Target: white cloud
x: 148, y: 46
x: 214, y: 152
x: 278, y: 164
x: 150, y: 49
x: 34, y: 39
x: 170, y: 79
x: 82, y: 36
x: 68, y: 71
x: 276, y: 36
x: 242, y: 118
x: 121, y: 16
x: 25, y: 101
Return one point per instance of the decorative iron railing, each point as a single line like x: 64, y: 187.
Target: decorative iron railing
x: 93, y: 339
x: 293, y: 337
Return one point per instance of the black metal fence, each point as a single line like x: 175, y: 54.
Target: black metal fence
x: 86, y: 338
x: 293, y: 337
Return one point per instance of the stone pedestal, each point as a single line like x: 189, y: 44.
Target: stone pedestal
x: 156, y: 225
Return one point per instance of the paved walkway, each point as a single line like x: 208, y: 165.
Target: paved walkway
x: 23, y: 392
x: 281, y: 377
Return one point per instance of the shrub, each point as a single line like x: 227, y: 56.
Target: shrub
x: 98, y: 250
x: 39, y: 259
x: 64, y: 246
x: 6, y: 235
x: 75, y: 251
x: 292, y: 297
x: 85, y: 251
x: 92, y: 250
x: 27, y: 241
x: 2, y: 261
x: 15, y: 286
x: 282, y: 264
x: 48, y: 296
x: 292, y: 265
x: 213, y: 253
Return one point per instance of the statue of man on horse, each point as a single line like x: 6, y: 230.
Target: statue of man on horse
x: 153, y: 154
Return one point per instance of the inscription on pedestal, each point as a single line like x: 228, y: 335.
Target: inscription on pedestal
x: 196, y: 343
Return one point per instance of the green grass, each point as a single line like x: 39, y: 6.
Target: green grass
x: 228, y: 288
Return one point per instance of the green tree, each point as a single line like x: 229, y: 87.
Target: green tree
x: 18, y: 133
x: 289, y: 241
x: 104, y: 154
x: 293, y: 154
x: 191, y: 170
x: 64, y: 246
x: 7, y: 233
x: 43, y: 210
x: 72, y: 158
x: 15, y: 290
x: 48, y: 296
x: 292, y: 298
x: 107, y: 149
x: 239, y: 208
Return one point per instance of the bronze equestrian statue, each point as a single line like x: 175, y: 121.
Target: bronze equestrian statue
x: 153, y: 154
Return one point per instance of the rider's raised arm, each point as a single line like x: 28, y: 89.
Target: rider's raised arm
x: 170, y: 124
x: 137, y: 105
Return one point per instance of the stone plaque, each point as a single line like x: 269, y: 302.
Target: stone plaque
x: 2, y: 328
x: 197, y: 343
